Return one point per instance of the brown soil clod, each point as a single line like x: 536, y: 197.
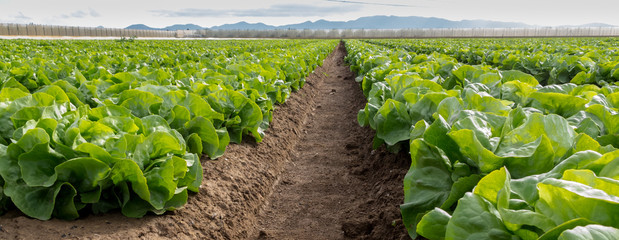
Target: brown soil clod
x: 315, y: 176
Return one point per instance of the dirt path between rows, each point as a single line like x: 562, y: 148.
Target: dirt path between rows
x: 333, y: 189
x: 315, y: 176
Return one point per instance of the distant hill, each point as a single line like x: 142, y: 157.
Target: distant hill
x: 374, y: 22
x: 183, y: 27
x: 140, y: 27
x: 593, y: 25
x: 245, y: 25
x: 168, y: 28
x: 380, y: 22
x: 394, y: 22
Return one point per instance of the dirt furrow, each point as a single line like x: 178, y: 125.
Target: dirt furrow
x: 331, y: 189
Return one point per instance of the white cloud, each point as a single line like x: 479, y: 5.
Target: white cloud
x: 16, y: 18
x: 81, y: 14
x: 278, y: 10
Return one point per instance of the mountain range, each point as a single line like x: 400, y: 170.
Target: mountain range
x: 374, y: 22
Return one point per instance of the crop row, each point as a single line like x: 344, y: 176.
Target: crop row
x: 550, y: 61
x: 494, y: 153
x: 90, y: 126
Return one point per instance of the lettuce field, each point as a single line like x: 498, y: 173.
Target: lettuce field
x: 507, y: 138
x: 100, y: 125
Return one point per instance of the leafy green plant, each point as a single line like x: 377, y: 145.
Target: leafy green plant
x: 91, y: 126
x: 494, y: 154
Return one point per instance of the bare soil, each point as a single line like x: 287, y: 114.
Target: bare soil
x: 315, y: 176
x: 336, y: 186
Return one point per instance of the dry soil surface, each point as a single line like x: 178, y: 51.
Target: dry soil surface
x: 336, y: 186
x: 315, y: 176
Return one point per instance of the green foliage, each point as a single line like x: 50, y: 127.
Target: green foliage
x: 590, y: 232
x: 549, y: 61
x: 505, y: 149
x: 91, y: 126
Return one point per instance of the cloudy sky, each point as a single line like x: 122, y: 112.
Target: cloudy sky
x: 121, y: 13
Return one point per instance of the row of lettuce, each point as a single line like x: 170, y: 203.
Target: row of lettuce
x: 550, y: 61
x: 495, y: 155
x: 91, y: 126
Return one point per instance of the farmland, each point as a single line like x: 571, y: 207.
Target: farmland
x: 508, y: 138
x: 105, y: 126
x: 475, y: 138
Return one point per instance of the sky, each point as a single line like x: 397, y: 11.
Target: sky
x: 122, y: 13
